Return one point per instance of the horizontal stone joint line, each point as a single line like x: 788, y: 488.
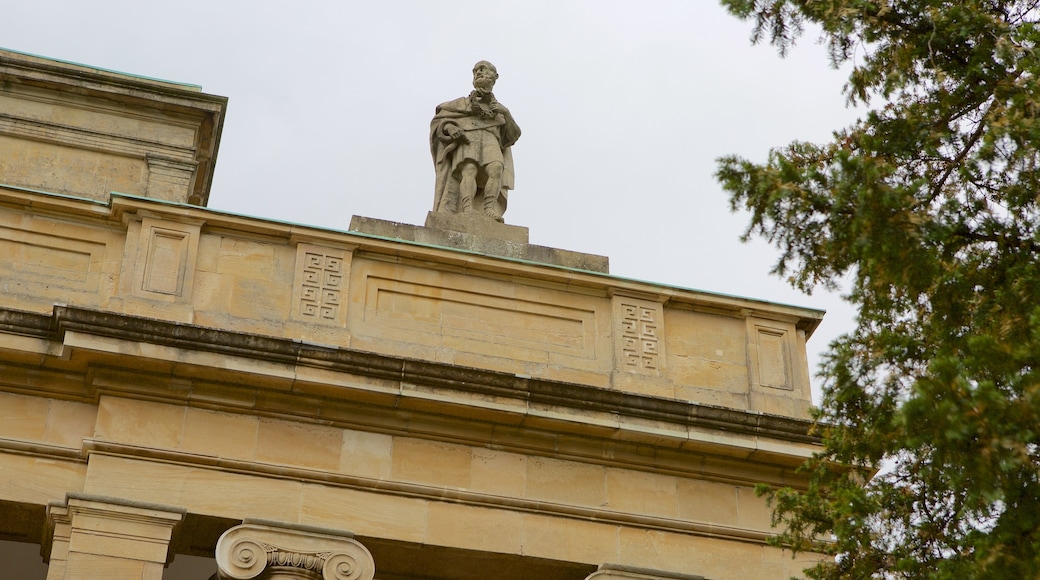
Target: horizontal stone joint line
x: 89, y: 139
x: 431, y: 493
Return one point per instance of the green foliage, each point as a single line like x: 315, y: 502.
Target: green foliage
x: 927, y: 209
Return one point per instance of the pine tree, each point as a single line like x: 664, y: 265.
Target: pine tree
x: 928, y: 209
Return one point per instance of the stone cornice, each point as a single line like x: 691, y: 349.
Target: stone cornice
x: 136, y: 91
x: 474, y: 381
x: 36, y: 129
x: 43, y: 69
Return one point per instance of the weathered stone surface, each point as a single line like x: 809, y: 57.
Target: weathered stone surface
x: 476, y: 225
x: 83, y: 131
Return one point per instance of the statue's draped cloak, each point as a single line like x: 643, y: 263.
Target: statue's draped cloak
x: 447, y: 154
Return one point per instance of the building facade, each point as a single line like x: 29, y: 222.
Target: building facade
x: 390, y: 402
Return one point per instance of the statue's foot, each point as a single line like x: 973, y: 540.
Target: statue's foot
x: 491, y: 214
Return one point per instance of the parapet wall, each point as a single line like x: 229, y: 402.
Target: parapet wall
x: 185, y: 264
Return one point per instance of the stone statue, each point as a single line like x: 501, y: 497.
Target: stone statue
x: 470, y: 139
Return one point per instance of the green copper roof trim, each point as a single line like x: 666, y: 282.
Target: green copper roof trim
x: 171, y: 203
x: 53, y: 194
x: 193, y: 87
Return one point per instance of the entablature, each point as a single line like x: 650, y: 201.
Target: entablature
x: 83, y: 354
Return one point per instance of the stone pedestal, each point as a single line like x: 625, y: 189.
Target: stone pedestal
x: 476, y: 233
x: 619, y: 572
x: 476, y: 224
x: 274, y: 552
x: 96, y: 537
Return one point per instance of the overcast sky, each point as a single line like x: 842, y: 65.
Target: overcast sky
x: 624, y: 108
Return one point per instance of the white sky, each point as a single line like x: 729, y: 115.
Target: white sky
x: 624, y: 108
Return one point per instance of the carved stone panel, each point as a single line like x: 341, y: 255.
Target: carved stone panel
x: 639, y: 336
x: 320, y: 285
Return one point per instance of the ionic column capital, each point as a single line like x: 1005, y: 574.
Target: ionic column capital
x: 264, y: 551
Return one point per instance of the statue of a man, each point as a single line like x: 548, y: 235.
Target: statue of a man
x: 470, y: 139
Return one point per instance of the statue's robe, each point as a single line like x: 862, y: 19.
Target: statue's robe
x: 489, y: 140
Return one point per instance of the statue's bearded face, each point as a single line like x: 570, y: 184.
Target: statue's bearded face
x: 484, y: 77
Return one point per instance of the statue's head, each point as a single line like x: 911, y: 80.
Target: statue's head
x: 484, y: 76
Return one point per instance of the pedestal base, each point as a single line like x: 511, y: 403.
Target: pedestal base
x: 478, y: 233
x: 476, y: 224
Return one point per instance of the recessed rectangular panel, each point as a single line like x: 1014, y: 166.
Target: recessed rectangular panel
x: 773, y: 358
x: 485, y: 321
x: 49, y: 256
x: 167, y: 255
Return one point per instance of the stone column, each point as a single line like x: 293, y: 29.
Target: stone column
x: 99, y: 537
x: 56, y: 542
x: 275, y: 552
x: 619, y: 572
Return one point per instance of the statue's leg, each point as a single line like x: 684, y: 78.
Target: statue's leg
x: 467, y: 186
x: 492, y: 189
